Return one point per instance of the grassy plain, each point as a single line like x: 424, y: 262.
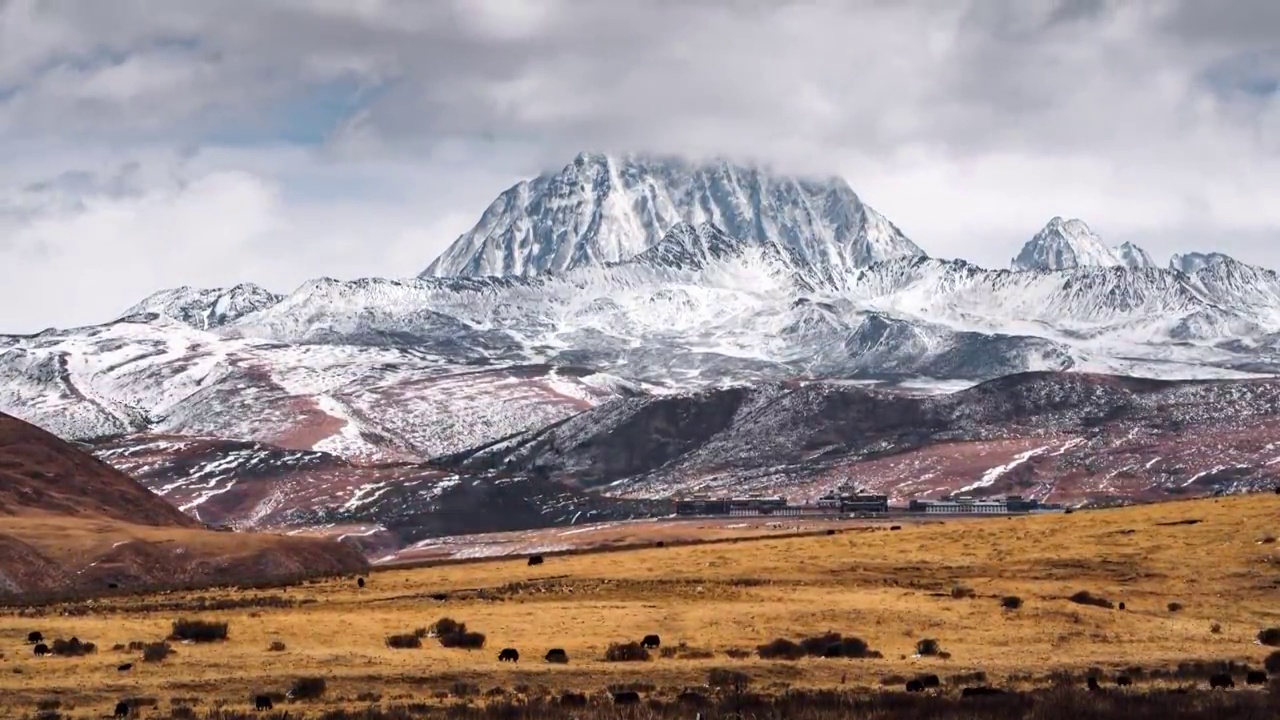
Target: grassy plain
x: 890, y: 588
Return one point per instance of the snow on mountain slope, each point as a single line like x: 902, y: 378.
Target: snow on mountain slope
x: 601, y: 209
x: 701, y: 307
x: 206, y: 308
x: 1063, y: 245
x: 367, y: 403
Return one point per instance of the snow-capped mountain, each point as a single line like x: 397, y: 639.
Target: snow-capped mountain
x: 601, y: 208
x: 206, y: 308
x: 1067, y: 244
x: 1133, y: 256
x: 626, y: 280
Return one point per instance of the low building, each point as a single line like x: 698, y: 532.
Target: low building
x: 702, y: 506
x: 864, y: 503
x: 966, y: 505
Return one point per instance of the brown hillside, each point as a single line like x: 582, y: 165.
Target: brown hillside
x: 40, y: 472
x: 72, y: 525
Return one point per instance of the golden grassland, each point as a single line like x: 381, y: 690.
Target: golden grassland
x: 890, y: 588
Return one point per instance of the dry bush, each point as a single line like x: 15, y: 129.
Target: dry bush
x: 72, y: 648
x: 276, y: 646
x: 198, y: 630
x: 1084, y: 597
x: 156, y: 651
x: 465, y: 640
x: 1272, y: 663
x: 928, y: 647
x: 626, y: 652
x: 308, y: 688
x: 421, y: 632
x: 963, y: 592
x: 404, y: 641
x: 1174, y: 606
x: 737, y: 653
x: 780, y: 649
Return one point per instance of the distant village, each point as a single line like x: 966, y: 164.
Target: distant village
x: 850, y: 500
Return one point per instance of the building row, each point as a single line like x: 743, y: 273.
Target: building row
x: 852, y: 501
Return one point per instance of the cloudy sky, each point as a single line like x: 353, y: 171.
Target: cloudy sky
x: 206, y: 142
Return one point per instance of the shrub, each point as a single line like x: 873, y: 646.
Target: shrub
x: 307, y: 688
x: 464, y: 640
x: 447, y: 626
x: 928, y: 647
x: 1215, y: 628
x: 156, y: 651
x: 780, y: 649
x: 961, y: 592
x: 737, y: 653
x: 136, y: 646
x: 403, y: 641
x: 817, y: 646
x: 1084, y: 597
x: 72, y: 648
x: 1272, y: 663
x: 420, y: 632
x: 48, y: 704
x: 1011, y: 602
x: 198, y: 630
x: 667, y: 652
x: 626, y: 652
x: 1270, y: 636
x: 1174, y: 606
x: 276, y: 646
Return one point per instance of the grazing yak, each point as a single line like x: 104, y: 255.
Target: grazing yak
x: 626, y: 697
x: 930, y: 681
x: 915, y: 686
x: 122, y: 710
x: 1124, y: 681
x: 509, y: 655
x: 1093, y: 684
x: 535, y: 560
x: 125, y: 667
x: 40, y: 650
x: 1255, y: 677
x: 34, y: 637
x: 262, y: 702
x: 557, y: 655
x: 650, y: 642
x: 360, y: 582
x: 1221, y: 680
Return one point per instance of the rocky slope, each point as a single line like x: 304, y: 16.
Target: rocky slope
x: 1058, y: 436
x: 70, y: 524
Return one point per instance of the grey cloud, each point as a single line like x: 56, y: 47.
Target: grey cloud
x: 963, y: 120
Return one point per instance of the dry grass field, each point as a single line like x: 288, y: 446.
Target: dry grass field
x: 890, y: 588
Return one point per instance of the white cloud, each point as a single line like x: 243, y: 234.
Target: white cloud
x: 271, y: 141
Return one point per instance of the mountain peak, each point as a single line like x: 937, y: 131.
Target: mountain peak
x: 206, y: 308
x: 1133, y: 256
x: 609, y: 208
x: 1064, y: 244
